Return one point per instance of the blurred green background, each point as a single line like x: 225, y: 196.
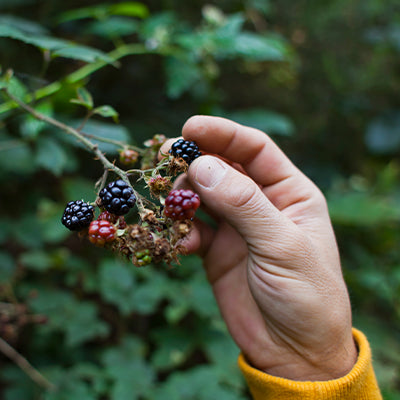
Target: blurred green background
x: 323, y: 79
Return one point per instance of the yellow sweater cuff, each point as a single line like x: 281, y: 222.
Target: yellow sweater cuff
x: 359, y: 384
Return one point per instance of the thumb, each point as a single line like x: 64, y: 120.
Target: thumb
x: 238, y: 199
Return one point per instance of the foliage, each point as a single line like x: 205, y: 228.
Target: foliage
x: 321, y: 78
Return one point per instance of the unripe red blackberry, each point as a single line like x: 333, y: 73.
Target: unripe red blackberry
x: 117, y: 197
x: 107, y: 216
x: 128, y: 157
x: 77, y: 215
x: 102, y: 232
x: 186, y: 149
x: 181, y: 204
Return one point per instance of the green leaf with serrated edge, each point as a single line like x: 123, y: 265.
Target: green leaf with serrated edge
x: 51, y: 155
x: 117, y: 285
x: 60, y: 306
x: 150, y: 293
x: 106, y: 111
x: 132, y: 376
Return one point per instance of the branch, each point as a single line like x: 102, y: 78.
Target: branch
x: 90, y: 146
x: 24, y: 364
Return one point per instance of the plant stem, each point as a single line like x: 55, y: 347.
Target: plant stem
x: 90, y: 146
x: 112, y: 141
x: 24, y: 364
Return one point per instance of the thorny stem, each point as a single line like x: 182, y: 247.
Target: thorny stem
x: 25, y: 365
x: 90, y: 146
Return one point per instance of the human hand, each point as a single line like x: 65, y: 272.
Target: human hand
x: 272, y: 261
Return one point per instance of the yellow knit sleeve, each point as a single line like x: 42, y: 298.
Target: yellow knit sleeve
x: 359, y: 384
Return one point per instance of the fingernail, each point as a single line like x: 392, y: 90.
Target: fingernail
x: 210, y: 171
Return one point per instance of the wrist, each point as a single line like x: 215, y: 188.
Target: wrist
x: 312, y: 364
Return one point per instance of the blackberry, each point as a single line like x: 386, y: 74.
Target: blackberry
x: 181, y: 204
x: 117, y: 197
x: 186, y: 149
x: 77, y: 215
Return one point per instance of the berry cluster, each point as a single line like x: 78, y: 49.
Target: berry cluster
x: 157, y: 234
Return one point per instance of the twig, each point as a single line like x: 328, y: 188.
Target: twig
x: 111, y: 141
x: 90, y: 146
x: 24, y: 364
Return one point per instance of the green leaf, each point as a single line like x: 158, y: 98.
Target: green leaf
x: 256, y: 47
x: 16, y: 159
x: 117, y: 284
x: 133, y: 377
x: 58, y: 47
x: 113, y: 27
x: 84, y: 98
x: 69, y: 385
x: 106, y: 111
x: 361, y: 209
x: 51, y: 155
x: 102, y: 11
x: 82, y: 53
x: 60, y: 306
x: 25, y: 25
x: 31, y: 127
x: 198, y: 383
x: 264, y: 120
x: 17, y: 88
x: 38, y: 260
x: 182, y: 74
x: 27, y: 231
x: 7, y: 267
x: 130, y: 8
x: 78, y: 189
x: 49, y: 215
x: 106, y: 130
x: 174, y: 346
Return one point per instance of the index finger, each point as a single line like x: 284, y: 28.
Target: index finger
x: 261, y: 158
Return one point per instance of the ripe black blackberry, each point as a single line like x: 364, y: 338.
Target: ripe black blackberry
x: 186, y: 149
x: 77, y: 215
x: 117, y: 197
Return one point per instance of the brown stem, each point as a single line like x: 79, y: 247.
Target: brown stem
x: 90, y: 146
x: 25, y: 365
